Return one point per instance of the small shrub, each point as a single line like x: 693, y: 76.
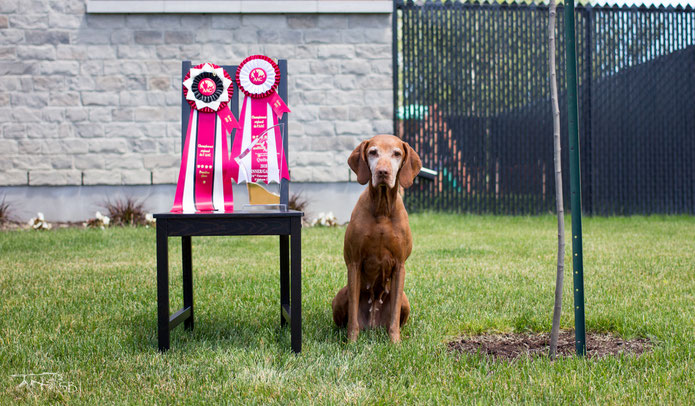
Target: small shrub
x: 5, y: 209
x: 126, y: 212
x: 298, y: 202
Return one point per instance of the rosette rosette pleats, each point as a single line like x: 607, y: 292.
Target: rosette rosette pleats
x: 259, y: 152
x: 204, y: 182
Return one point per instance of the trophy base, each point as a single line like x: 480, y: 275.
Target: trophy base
x: 264, y: 207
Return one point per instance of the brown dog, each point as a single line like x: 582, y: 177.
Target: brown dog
x: 377, y: 239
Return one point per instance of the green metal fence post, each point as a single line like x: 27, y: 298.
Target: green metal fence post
x: 575, y: 180
x: 394, y: 65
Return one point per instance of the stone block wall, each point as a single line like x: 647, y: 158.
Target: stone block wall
x: 94, y: 99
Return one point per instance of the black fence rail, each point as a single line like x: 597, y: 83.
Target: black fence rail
x: 472, y: 97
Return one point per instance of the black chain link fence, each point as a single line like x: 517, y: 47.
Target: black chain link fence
x: 472, y: 92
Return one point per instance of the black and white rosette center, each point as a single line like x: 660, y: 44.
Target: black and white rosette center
x: 207, y: 87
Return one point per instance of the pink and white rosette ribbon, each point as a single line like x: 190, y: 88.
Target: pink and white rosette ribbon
x: 258, y: 77
x: 204, y: 179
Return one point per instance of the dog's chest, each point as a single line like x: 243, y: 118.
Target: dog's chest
x: 379, y: 252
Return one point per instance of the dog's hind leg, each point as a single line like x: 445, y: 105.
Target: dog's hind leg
x: 405, y: 309
x: 340, y: 307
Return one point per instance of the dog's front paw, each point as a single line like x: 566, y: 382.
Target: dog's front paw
x: 395, y: 335
x: 352, y: 334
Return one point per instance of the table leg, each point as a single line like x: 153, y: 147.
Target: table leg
x: 284, y: 275
x: 163, y: 284
x: 187, y: 265
x: 296, y: 286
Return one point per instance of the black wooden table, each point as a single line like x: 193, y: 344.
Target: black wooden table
x: 286, y: 224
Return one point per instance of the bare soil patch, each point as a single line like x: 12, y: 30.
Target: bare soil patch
x: 517, y: 345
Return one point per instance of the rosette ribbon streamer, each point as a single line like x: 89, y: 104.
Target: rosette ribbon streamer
x: 258, y: 77
x: 204, y: 178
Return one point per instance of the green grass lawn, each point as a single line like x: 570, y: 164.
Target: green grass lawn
x: 82, y: 303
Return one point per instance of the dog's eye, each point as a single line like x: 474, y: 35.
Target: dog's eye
x: 396, y: 153
x: 373, y: 152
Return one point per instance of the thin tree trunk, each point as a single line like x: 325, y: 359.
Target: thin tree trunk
x: 557, y: 309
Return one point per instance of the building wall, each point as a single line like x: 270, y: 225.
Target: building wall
x: 94, y: 99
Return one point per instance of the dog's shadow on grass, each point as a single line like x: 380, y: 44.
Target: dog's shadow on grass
x: 323, y: 331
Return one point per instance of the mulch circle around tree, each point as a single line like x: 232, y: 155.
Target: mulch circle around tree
x: 520, y: 345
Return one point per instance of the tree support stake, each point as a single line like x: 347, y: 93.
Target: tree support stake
x: 575, y: 180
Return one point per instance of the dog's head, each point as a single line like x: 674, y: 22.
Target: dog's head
x: 385, y: 160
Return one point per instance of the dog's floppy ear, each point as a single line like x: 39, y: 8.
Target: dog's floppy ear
x: 410, y: 167
x: 358, y: 163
